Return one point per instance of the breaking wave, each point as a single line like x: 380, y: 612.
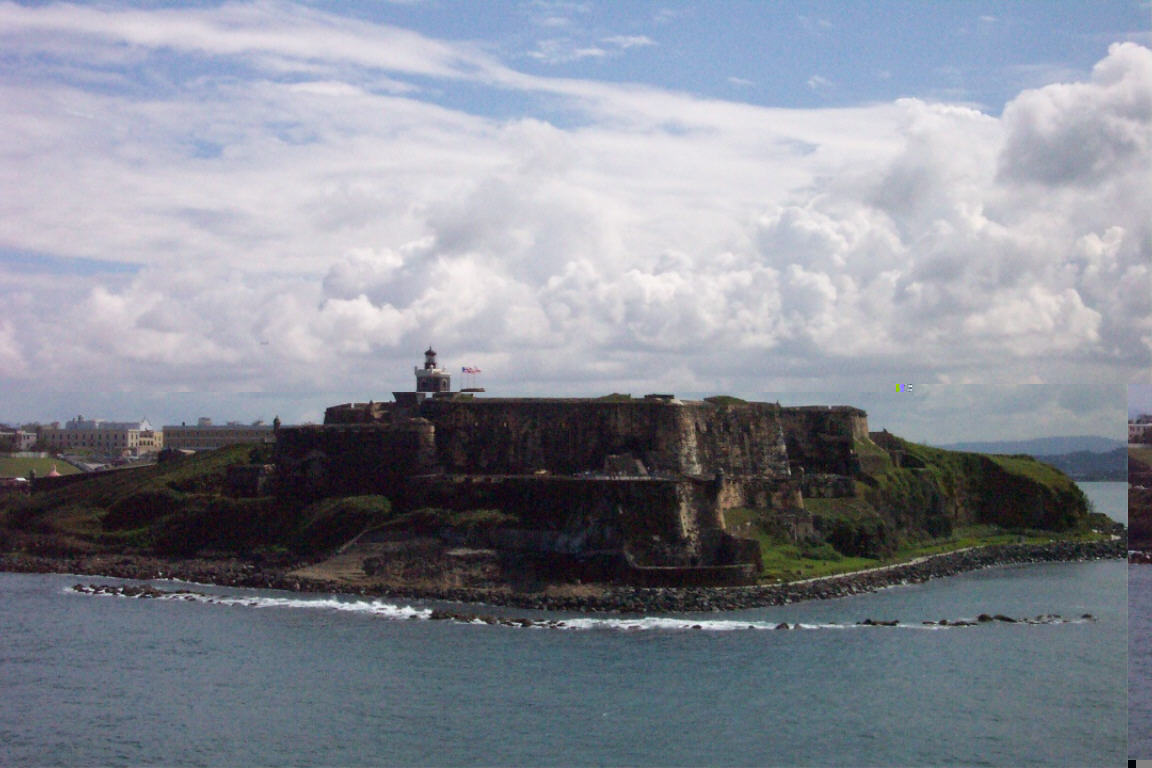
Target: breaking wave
x: 399, y: 612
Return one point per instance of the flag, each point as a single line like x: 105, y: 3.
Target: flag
x: 469, y: 369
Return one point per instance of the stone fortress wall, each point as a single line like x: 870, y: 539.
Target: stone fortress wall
x: 667, y: 437
x: 649, y: 477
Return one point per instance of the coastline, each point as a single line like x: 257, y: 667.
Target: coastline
x: 581, y: 598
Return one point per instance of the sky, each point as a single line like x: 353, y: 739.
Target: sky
x: 1139, y: 400
x: 934, y: 211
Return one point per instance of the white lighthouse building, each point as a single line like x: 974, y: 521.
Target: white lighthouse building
x: 432, y: 378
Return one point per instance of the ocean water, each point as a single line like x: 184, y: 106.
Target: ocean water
x: 272, y: 678
x: 1108, y: 497
x: 1140, y: 661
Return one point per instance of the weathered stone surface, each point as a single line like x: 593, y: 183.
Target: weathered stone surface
x: 649, y: 477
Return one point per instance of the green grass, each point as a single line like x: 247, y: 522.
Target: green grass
x: 988, y: 535
x: 1032, y: 469
x: 1142, y: 454
x: 783, y: 559
x: 843, y: 507
x: 17, y: 467
x: 723, y: 400
x: 86, y: 500
x: 784, y: 562
x: 874, y: 460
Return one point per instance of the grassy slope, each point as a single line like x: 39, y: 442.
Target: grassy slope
x: 901, y: 514
x: 179, y: 508
x: 1140, y: 497
x: 1141, y: 453
x: 19, y: 467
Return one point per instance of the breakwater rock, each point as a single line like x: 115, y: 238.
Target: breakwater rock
x: 950, y: 564
x: 409, y: 613
x: 640, y: 600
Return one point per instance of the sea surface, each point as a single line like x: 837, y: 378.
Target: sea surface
x: 1140, y: 661
x: 239, y: 677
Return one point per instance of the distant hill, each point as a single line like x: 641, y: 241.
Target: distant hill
x: 1081, y: 458
x: 1043, y: 446
x: 1087, y: 465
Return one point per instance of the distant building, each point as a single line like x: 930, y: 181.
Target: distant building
x: 1140, y: 430
x: 21, y: 440
x: 208, y: 436
x: 109, y: 438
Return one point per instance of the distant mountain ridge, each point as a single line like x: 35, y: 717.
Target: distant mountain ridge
x: 1041, y: 446
x: 1081, y: 458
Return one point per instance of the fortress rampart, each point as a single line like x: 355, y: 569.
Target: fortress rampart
x: 649, y: 478
x: 819, y: 438
x: 573, y: 436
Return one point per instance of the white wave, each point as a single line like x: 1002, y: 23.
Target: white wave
x: 395, y: 611
x: 664, y: 623
x: 373, y: 607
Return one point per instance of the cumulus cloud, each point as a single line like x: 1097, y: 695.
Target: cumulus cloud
x: 323, y: 228
x: 1083, y: 133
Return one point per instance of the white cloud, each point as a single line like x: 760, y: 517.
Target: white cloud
x: 564, y: 50
x: 819, y: 83
x: 815, y: 25
x: 1083, y: 133
x: 323, y: 230
x: 629, y: 41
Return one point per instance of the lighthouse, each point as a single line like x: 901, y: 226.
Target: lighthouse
x: 432, y: 378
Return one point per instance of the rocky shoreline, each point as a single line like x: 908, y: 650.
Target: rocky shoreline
x: 608, y: 598
x: 148, y: 592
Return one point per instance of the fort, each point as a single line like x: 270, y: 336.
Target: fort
x: 600, y: 485
x: 549, y: 501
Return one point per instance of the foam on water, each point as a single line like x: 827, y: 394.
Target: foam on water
x: 662, y: 623
x: 396, y: 611
x: 373, y: 607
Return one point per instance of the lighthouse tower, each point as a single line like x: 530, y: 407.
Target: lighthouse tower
x: 432, y: 378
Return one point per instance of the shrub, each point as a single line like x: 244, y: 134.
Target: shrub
x: 820, y: 550
x: 142, y: 508
x: 869, y: 536
x: 482, y: 519
x: 331, y: 522
x: 216, y: 522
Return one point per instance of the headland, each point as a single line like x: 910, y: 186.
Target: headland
x: 616, y: 502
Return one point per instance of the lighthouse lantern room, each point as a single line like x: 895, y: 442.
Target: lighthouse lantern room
x: 432, y: 378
